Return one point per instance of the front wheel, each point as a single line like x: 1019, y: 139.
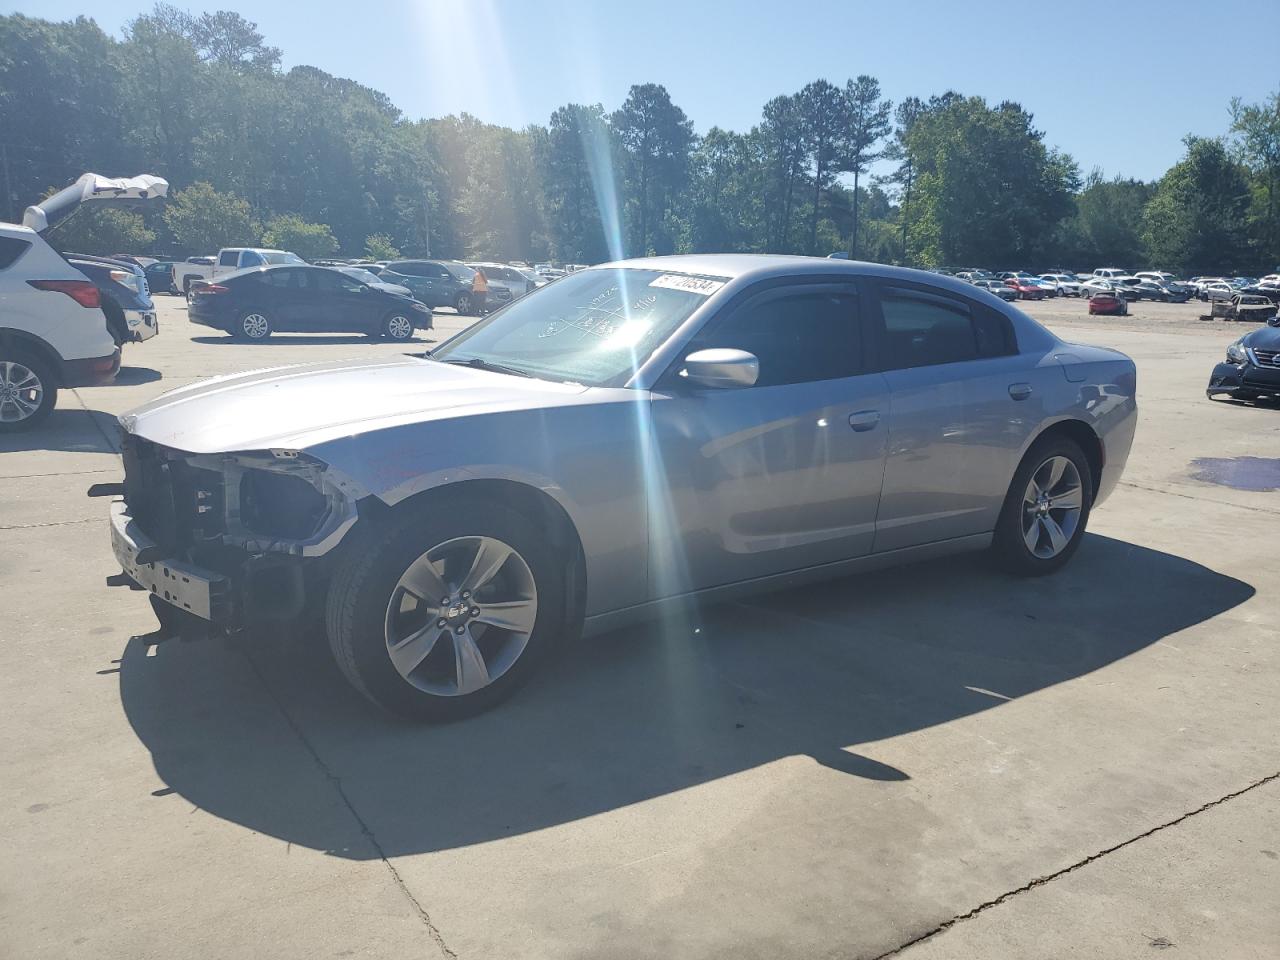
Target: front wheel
x: 28, y: 391
x: 397, y: 327
x: 443, y: 613
x: 1046, y: 510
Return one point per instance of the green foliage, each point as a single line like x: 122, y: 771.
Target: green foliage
x: 102, y: 231
x: 310, y: 241
x: 989, y: 191
x: 1194, y: 219
x: 202, y: 220
x: 200, y: 98
x: 378, y: 246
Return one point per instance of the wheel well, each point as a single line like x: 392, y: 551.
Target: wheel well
x: 540, y: 507
x: 1087, y: 440
x: 26, y: 341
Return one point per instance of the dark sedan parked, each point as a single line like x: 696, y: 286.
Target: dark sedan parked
x: 254, y: 303
x: 1252, y: 367
x: 126, y: 299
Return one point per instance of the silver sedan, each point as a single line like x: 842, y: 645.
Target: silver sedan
x: 635, y: 437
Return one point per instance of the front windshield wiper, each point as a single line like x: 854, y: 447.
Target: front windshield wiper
x: 479, y: 363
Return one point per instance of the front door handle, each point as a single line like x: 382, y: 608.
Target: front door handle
x: 864, y: 420
x: 1019, y: 391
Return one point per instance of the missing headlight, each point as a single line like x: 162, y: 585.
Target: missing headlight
x: 279, y: 505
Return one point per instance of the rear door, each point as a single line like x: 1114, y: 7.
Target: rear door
x: 962, y: 405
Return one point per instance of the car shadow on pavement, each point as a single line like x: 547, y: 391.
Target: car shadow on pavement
x: 69, y: 429
x: 133, y: 376
x: 650, y: 710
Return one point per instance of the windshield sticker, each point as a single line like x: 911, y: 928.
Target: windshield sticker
x: 680, y: 281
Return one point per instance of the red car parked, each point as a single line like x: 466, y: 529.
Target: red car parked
x: 1106, y: 301
x: 1026, y: 289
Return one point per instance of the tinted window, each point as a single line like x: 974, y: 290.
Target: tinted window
x: 227, y: 258
x: 796, y: 337
x: 11, y: 248
x: 923, y: 331
x: 250, y: 259
x: 281, y: 279
x: 330, y: 281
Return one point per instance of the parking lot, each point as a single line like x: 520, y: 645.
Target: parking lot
x: 938, y: 760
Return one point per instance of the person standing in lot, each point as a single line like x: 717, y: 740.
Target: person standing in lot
x: 479, y: 291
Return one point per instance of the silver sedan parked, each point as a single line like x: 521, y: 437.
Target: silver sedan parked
x: 636, y: 436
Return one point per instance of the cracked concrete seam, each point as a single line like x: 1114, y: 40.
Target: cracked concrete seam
x: 432, y: 930
x: 1049, y: 878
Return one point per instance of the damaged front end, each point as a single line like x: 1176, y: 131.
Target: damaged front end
x: 229, y: 539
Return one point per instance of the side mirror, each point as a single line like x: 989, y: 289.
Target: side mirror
x: 721, y: 368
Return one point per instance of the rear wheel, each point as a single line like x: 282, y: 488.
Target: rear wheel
x: 28, y: 391
x: 252, y: 325
x: 443, y: 613
x: 463, y: 303
x: 1046, y: 510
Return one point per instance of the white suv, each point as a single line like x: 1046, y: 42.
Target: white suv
x: 53, y: 332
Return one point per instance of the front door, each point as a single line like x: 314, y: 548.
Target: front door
x: 752, y: 481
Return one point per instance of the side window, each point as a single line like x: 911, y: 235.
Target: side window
x: 11, y: 248
x: 797, y: 337
x: 435, y: 271
x: 250, y: 259
x: 280, y: 279
x: 924, y: 331
x: 227, y: 258
x: 406, y: 269
x: 330, y: 281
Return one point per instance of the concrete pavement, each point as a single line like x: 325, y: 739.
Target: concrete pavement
x: 835, y: 771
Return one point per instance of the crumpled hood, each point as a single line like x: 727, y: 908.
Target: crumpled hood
x: 299, y: 406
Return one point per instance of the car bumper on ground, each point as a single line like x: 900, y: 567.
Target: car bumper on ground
x: 1233, y: 378
x: 91, y: 371
x: 141, y: 324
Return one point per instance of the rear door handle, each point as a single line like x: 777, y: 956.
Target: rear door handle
x: 864, y: 420
x: 1019, y: 391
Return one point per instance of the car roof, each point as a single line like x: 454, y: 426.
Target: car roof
x: 763, y: 266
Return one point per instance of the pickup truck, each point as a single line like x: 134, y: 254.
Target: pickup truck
x: 231, y: 259
x: 193, y: 269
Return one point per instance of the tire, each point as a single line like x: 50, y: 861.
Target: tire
x: 28, y: 390
x: 463, y: 304
x: 366, y: 610
x: 1022, y: 519
x: 398, y: 327
x: 252, y: 326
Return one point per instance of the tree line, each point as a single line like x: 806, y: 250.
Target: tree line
x: 310, y: 162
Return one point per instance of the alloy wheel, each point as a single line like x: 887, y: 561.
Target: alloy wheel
x: 461, y: 616
x: 1051, y: 507
x: 21, y: 392
x: 255, y: 326
x: 399, y: 328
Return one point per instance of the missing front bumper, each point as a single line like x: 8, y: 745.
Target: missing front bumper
x: 197, y: 591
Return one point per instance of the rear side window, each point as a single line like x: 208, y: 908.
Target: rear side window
x: 921, y: 330
x: 11, y: 248
x: 797, y: 337
x: 281, y: 279
x: 227, y: 258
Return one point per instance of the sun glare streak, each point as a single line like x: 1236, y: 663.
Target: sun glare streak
x: 466, y: 58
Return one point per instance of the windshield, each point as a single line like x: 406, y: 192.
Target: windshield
x: 595, y: 327
x: 278, y: 256
x: 364, y: 276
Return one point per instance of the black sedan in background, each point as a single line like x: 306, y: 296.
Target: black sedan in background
x: 1252, y: 367
x: 254, y: 303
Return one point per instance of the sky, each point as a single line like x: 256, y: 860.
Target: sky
x: 1116, y: 85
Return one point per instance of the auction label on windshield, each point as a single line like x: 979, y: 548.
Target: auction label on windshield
x: 681, y: 281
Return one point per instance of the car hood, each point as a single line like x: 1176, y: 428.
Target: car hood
x: 1265, y: 338
x: 300, y: 406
